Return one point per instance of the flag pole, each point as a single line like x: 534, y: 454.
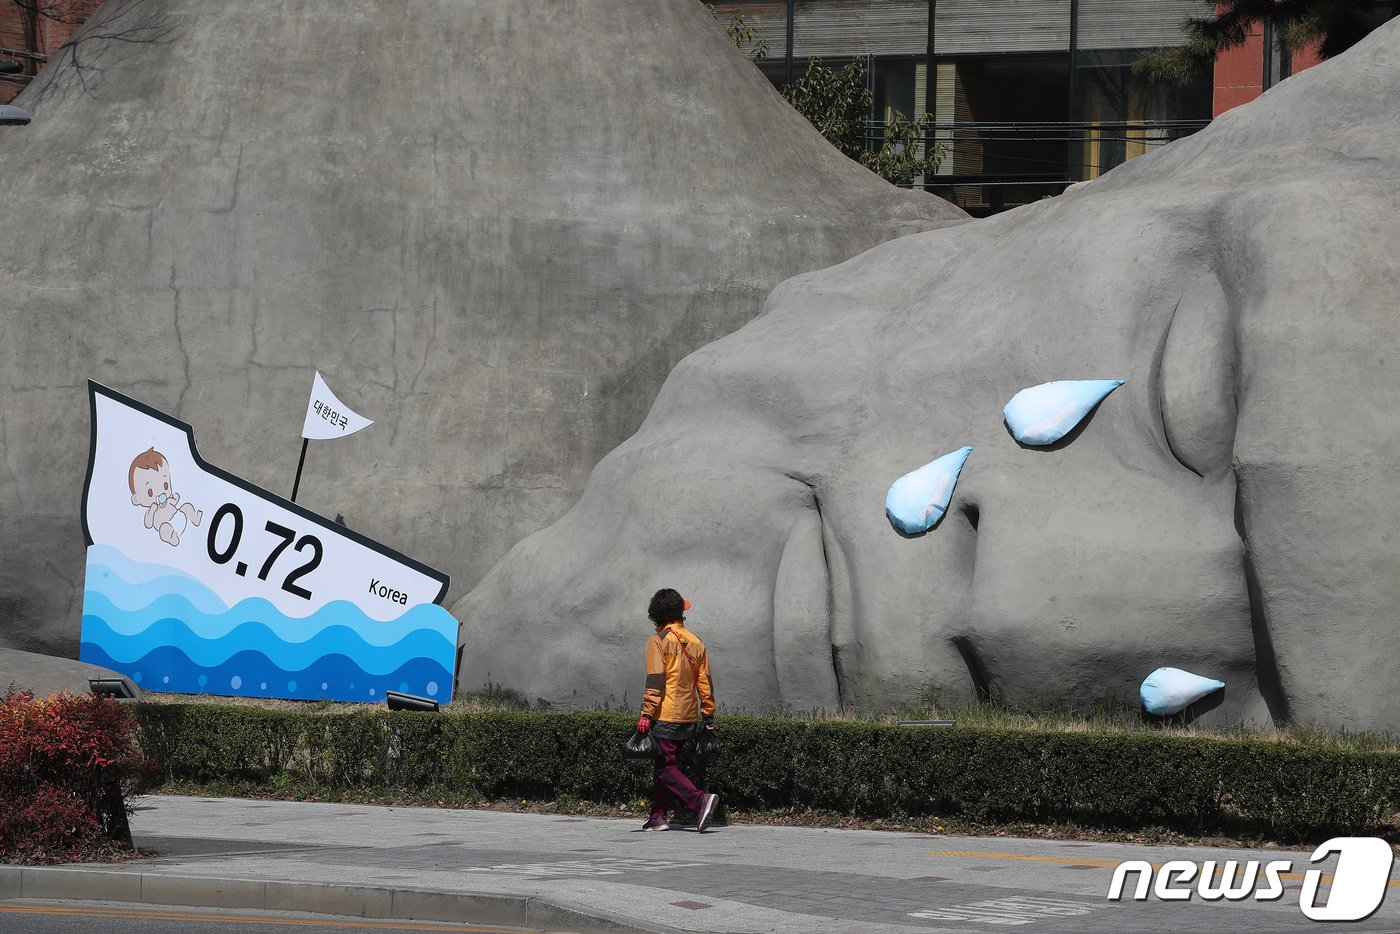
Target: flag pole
x: 296, y: 484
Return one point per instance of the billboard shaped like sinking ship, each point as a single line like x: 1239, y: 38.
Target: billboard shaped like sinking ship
x: 199, y: 582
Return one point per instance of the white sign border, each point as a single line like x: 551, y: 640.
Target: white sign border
x: 95, y: 389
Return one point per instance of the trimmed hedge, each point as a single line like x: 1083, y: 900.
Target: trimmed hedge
x: 870, y: 770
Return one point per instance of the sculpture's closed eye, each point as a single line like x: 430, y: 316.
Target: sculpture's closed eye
x: 1196, y: 379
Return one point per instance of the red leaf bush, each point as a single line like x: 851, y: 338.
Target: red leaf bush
x: 64, y: 763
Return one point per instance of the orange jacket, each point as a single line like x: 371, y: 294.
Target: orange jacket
x: 674, y: 680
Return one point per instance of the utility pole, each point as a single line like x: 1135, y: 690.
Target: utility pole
x: 787, y: 56
x: 1075, y: 145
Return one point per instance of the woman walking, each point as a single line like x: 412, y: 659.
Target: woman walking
x: 678, y: 672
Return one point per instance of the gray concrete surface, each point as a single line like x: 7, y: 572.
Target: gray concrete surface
x: 48, y: 674
x: 493, y: 226
x: 498, y: 868
x: 78, y: 917
x: 1231, y: 511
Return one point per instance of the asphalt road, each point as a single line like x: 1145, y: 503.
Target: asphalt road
x: 18, y: 917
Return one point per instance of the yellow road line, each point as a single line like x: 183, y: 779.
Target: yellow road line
x: 150, y: 914
x: 1107, y: 863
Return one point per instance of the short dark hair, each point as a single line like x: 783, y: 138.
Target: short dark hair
x: 666, y: 607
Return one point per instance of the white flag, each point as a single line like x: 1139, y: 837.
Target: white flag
x: 328, y: 417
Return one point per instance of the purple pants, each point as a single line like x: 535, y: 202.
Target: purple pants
x: 669, y: 784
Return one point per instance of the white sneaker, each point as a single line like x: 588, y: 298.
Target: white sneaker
x: 653, y: 824
x: 707, y: 811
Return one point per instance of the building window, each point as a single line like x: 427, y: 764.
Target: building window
x: 1001, y: 121
x: 1124, y: 116
x: 1027, y: 96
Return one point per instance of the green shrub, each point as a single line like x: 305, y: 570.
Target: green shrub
x: 870, y: 770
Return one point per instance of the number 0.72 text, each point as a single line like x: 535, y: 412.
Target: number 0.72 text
x: 285, y: 537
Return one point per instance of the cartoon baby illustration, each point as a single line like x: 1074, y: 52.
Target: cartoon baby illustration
x: 149, y: 479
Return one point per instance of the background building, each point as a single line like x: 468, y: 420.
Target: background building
x: 33, y: 30
x: 1028, y: 96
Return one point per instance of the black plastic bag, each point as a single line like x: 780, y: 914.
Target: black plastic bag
x: 706, y: 746
x: 641, y: 746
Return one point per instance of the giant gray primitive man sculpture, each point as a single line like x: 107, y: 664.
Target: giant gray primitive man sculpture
x: 1233, y: 510
x: 494, y: 226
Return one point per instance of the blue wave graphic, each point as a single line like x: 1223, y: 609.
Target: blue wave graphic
x: 215, y: 626
x: 169, y: 632
x: 130, y: 570
x: 250, y: 674
x: 129, y: 597
x: 289, y: 656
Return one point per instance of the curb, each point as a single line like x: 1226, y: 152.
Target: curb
x: 361, y: 901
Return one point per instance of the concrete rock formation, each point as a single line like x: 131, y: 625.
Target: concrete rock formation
x: 494, y: 226
x: 45, y: 674
x: 1232, y: 510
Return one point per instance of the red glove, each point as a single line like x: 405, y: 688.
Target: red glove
x: 644, y: 724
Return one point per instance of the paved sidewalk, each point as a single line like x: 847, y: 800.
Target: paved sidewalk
x: 562, y: 873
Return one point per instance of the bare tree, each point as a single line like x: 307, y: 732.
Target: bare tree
x: 114, y: 22
x: 33, y: 16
